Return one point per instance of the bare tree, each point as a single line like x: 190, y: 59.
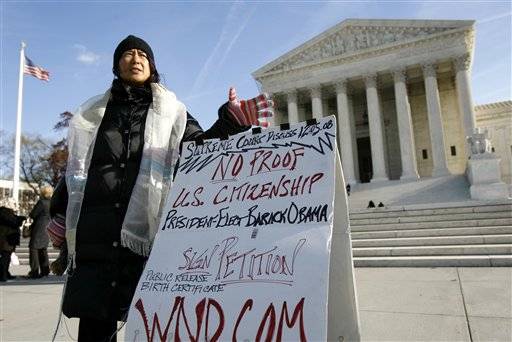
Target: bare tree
x: 35, y: 160
x: 34, y: 165
x: 41, y: 161
x: 5, y: 155
x: 59, y: 155
x: 63, y: 123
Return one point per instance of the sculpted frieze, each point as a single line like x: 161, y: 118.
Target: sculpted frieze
x: 352, y: 39
x: 428, y: 48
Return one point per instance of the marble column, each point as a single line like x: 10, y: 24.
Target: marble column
x: 463, y: 83
x: 376, y: 129
x: 405, y: 131
x: 316, y: 102
x: 272, y: 120
x: 346, y: 132
x: 435, y: 121
x: 355, y: 152
x: 293, y: 111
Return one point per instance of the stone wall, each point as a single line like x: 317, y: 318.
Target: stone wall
x: 497, y: 119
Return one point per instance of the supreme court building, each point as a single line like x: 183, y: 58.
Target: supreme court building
x: 400, y: 90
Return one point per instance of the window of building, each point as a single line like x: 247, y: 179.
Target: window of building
x: 425, y: 154
x: 453, y: 150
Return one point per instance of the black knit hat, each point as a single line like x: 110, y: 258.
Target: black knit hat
x: 131, y: 42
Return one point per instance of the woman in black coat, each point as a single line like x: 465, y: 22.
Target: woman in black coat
x: 99, y: 290
x: 10, y: 224
x: 38, y: 244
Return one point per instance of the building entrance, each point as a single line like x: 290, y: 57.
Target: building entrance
x: 364, y: 156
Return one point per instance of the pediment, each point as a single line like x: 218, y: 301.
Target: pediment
x: 353, y: 36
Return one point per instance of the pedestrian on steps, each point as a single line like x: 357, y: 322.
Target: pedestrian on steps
x: 38, y: 244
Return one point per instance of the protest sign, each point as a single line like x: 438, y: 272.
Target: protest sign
x: 243, y: 247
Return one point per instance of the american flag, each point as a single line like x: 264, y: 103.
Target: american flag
x: 36, y: 71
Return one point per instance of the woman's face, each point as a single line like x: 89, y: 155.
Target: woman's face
x: 134, y: 67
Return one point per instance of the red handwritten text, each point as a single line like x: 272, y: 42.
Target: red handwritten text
x: 210, y: 312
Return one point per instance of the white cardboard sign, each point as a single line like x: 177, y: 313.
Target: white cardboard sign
x: 243, y: 248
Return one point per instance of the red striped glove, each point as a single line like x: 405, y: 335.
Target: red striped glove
x: 250, y: 112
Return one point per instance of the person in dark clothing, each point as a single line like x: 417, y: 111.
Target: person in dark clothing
x: 57, y: 227
x: 10, y: 224
x: 38, y: 244
x: 136, y: 127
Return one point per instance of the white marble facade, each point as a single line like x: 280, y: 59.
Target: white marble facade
x: 496, y: 119
x: 400, y: 90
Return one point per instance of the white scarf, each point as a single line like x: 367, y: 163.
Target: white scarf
x: 165, y: 126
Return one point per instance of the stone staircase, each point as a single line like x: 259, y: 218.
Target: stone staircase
x: 22, y: 252
x: 464, y: 234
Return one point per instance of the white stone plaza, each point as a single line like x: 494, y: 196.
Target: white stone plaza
x: 395, y: 304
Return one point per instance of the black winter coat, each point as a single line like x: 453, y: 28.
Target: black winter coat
x: 41, y: 216
x: 106, y: 274
x: 10, y: 224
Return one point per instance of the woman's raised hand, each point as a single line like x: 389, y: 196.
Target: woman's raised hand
x: 250, y: 112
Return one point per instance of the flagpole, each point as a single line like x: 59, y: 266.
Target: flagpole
x: 17, y: 144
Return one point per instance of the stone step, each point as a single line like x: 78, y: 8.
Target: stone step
x: 431, y: 218
x: 420, y: 261
x: 26, y: 249
x: 25, y: 261
x: 430, y: 225
x: 25, y: 255
x: 22, y: 252
x: 434, y: 241
x: 457, y: 231
x: 385, y: 212
x: 494, y: 249
x: 435, y: 261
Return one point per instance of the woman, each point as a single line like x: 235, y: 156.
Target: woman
x: 38, y: 244
x: 116, y: 193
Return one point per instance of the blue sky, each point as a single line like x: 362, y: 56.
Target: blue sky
x: 203, y: 47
